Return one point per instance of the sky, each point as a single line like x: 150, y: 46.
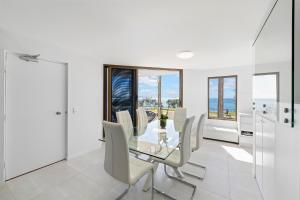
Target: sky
x: 269, y: 91
x: 229, y: 88
x: 147, y: 86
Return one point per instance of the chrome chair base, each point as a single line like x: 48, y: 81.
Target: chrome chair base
x: 193, y: 175
x: 164, y: 194
x: 152, y: 186
x: 180, y: 180
x: 123, y: 193
x: 178, y: 172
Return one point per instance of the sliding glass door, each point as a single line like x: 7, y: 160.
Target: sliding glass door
x: 148, y: 93
x: 170, y: 92
x: 157, y: 90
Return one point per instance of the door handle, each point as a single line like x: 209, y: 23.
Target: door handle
x: 58, y: 113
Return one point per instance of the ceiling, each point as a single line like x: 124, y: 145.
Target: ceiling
x: 143, y: 32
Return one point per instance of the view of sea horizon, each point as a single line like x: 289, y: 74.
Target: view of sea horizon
x: 229, y: 104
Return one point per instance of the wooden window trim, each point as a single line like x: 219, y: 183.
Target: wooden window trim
x: 107, y: 89
x: 220, y: 96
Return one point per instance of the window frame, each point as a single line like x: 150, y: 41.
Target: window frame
x: 221, y: 94
x: 107, y: 84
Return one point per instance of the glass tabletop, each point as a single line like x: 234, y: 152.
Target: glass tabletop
x: 154, y: 141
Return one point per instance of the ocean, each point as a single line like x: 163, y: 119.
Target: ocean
x: 229, y: 104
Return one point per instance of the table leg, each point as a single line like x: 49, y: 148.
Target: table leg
x: 147, y: 184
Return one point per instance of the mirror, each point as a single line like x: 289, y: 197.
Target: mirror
x: 297, y: 52
x: 273, y: 96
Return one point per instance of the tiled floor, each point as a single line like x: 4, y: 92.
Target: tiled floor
x: 228, y: 177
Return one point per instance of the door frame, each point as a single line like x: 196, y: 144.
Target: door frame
x: 6, y: 52
x: 107, y: 89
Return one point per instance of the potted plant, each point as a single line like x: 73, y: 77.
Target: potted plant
x: 163, y: 120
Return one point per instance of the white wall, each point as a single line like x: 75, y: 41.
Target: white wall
x: 195, y: 90
x: 84, y: 92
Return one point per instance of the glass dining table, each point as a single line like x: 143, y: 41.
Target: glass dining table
x: 154, y: 141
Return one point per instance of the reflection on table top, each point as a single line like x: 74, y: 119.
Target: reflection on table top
x: 154, y: 141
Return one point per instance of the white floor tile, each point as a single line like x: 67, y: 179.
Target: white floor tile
x: 24, y: 187
x: 5, y: 193
x: 227, y: 178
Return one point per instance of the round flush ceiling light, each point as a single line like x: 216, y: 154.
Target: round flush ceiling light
x: 185, y: 54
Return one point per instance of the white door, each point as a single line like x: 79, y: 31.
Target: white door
x: 36, y: 104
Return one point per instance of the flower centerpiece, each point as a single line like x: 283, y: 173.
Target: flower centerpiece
x: 163, y: 120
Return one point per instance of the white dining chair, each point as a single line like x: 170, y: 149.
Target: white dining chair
x: 196, y: 142
x: 142, y: 118
x: 117, y: 161
x: 181, y: 156
x: 171, y: 115
x: 124, y: 118
x: 179, y: 118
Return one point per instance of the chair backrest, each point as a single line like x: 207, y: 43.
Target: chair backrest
x: 199, y: 131
x: 124, y: 118
x: 179, y: 118
x: 171, y: 115
x: 185, y: 147
x: 142, y: 118
x: 116, y: 161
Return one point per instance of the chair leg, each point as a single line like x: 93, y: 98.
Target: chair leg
x: 152, y: 192
x: 193, y: 175
x: 164, y: 194
x: 123, y: 193
x: 178, y: 172
x: 146, y: 188
x: 197, y: 165
x: 147, y: 185
x: 182, y: 181
x: 156, y: 190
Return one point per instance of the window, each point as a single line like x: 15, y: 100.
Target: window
x: 158, y: 90
x: 222, y: 101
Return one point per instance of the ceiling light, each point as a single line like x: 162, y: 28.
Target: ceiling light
x: 185, y: 54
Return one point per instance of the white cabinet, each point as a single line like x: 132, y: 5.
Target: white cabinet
x: 245, y: 129
x: 265, y: 155
x: 268, y: 137
x: 245, y: 122
x: 259, y: 151
x: 277, y: 144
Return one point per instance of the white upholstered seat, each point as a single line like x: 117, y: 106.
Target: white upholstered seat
x: 197, y: 136
x: 124, y: 118
x: 179, y: 118
x: 117, y: 162
x: 181, y: 156
x: 174, y: 159
x: 142, y: 118
x: 196, y: 140
x: 137, y: 169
